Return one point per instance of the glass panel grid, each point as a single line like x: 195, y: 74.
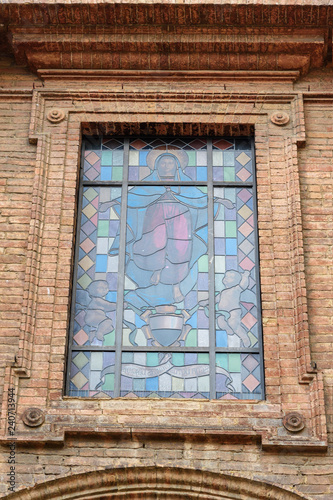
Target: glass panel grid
x: 161, y: 266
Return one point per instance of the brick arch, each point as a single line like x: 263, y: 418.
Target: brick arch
x: 154, y: 483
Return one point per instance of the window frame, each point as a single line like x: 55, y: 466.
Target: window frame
x: 210, y: 184
x: 292, y: 382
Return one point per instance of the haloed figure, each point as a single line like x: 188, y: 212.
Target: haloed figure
x: 162, y: 243
x: 166, y: 233
x: 165, y: 247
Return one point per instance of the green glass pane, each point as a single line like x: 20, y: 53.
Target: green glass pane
x: 191, y: 158
x: 80, y: 360
x: 84, y: 281
x: 222, y: 360
x: 229, y: 159
x: 234, y: 362
x: 109, y: 339
x: 230, y: 229
x: 191, y: 339
x: 117, y: 173
x: 229, y: 174
x: 177, y: 384
x: 96, y: 361
x: 203, y: 358
x: 253, y: 339
x: 203, y: 264
x: 106, y: 158
x: 127, y: 357
x: 203, y: 384
x: 90, y: 194
x: 178, y: 358
x: 103, y: 228
x: 109, y: 382
x: 118, y: 156
x: 230, y: 194
x: 203, y: 189
x: 139, y: 384
x: 152, y: 359
x: 217, y: 158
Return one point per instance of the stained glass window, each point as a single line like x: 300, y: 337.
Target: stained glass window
x: 166, y: 286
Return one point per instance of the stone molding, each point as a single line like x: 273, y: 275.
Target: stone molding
x: 154, y: 483
x: 168, y: 35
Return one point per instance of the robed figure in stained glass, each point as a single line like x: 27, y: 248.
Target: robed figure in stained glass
x: 166, y: 234
x: 165, y: 237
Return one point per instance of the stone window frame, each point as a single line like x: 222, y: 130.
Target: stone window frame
x: 293, y: 413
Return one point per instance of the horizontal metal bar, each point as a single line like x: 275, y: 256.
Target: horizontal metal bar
x: 168, y: 183
x: 243, y: 350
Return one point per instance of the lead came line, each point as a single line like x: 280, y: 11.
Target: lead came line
x: 121, y: 273
x: 211, y: 269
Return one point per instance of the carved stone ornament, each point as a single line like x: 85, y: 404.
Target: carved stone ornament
x: 280, y: 118
x: 294, y: 422
x: 55, y: 115
x: 33, y: 417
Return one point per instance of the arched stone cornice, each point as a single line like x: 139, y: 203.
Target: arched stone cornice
x: 153, y: 483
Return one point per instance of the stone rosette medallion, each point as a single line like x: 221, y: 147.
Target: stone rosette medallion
x: 33, y: 417
x: 56, y: 115
x: 280, y: 118
x: 294, y: 422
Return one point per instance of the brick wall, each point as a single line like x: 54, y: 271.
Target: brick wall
x: 307, y: 472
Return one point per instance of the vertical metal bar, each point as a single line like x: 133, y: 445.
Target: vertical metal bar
x: 121, y: 272
x: 76, y: 258
x: 257, y: 271
x: 211, y: 268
